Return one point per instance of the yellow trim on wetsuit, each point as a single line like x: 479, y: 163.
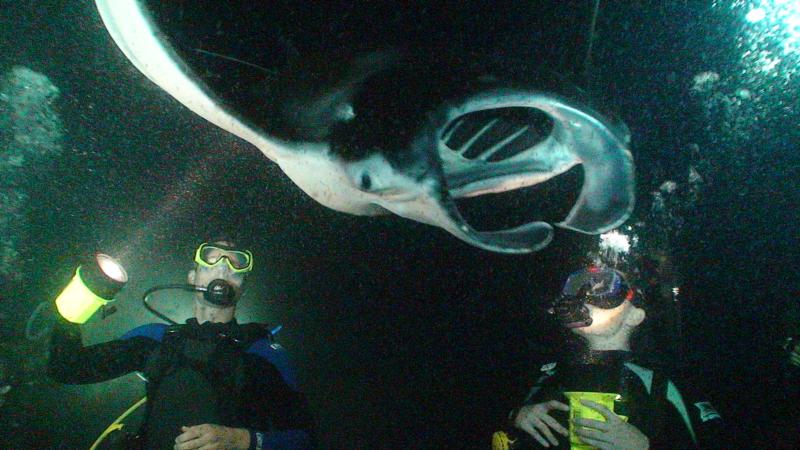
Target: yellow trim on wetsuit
x: 116, y: 425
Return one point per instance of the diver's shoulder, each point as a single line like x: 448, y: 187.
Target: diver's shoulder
x: 266, y: 348
x: 656, y: 363
x: 154, y: 331
x: 260, y: 341
x: 673, y: 376
x: 268, y: 352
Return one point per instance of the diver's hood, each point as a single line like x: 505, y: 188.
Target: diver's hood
x: 367, y: 121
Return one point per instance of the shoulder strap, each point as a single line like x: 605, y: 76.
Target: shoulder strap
x: 158, y: 363
x: 171, y: 355
x: 663, y: 391
x: 165, y: 357
x: 547, y: 372
x: 674, y: 396
x: 644, y: 374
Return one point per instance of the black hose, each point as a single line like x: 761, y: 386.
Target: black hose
x: 183, y: 287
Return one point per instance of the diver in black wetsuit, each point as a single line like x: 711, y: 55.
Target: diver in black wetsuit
x: 645, y: 408
x: 212, y: 383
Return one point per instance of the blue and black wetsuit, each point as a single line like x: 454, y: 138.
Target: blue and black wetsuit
x: 224, y: 374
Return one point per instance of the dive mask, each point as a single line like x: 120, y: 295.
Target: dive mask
x: 211, y: 255
x: 601, y: 287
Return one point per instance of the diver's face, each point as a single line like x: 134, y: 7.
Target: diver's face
x: 202, y: 276
x: 205, y: 311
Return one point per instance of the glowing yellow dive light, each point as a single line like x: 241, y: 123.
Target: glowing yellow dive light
x: 577, y: 409
x: 93, y: 286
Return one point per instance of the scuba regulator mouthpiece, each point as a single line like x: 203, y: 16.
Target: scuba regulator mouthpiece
x: 218, y: 292
x: 571, y: 311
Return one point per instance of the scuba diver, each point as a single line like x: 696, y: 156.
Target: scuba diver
x: 783, y: 401
x: 607, y: 395
x: 212, y: 383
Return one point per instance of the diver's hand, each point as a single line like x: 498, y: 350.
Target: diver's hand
x: 536, y: 421
x: 212, y: 437
x: 613, y: 434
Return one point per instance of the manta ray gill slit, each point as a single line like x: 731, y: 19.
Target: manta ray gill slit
x: 498, y: 142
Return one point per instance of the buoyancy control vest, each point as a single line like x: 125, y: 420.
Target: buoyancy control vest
x: 643, y: 393
x: 196, y: 377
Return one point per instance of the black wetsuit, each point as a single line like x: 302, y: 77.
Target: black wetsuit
x: 209, y: 373
x: 665, y: 412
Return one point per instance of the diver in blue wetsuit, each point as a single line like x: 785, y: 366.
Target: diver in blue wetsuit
x: 212, y: 383
x: 606, y: 396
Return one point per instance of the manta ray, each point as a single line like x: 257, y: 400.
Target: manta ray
x: 378, y: 132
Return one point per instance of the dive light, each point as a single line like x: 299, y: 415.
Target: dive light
x: 94, y: 285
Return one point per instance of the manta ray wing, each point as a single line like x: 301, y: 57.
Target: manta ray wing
x: 360, y: 139
x: 309, y: 164
x: 134, y: 32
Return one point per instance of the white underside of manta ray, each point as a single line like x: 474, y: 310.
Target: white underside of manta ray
x: 375, y: 183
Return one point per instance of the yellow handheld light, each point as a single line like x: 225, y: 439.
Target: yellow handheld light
x: 577, y: 409
x: 93, y: 286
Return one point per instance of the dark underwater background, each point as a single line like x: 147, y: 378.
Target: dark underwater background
x: 402, y: 335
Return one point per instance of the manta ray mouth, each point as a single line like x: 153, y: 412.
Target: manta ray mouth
x: 483, y: 190
x: 396, y: 195
x: 549, y: 201
x: 504, y: 141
